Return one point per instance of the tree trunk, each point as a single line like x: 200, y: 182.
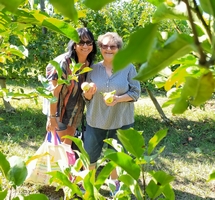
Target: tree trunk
x: 42, y: 8
x: 157, y: 106
x: 7, y: 104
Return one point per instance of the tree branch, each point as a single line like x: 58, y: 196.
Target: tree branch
x: 202, y: 55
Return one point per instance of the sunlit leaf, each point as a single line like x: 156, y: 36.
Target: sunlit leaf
x: 140, y: 44
x: 154, y: 141
x: 180, y: 106
x: 67, y: 8
x: 175, y: 47
x: 3, y: 194
x: 96, y: 5
x: 104, y: 174
x: 208, y: 6
x: 161, y: 177
x: 132, y: 140
x: 11, y: 5
x: 167, y: 12
x: 211, y: 176
x: 204, y: 89
x: 18, y: 171
x: 4, y: 164
x: 126, y: 163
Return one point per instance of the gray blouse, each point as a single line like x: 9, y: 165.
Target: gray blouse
x: 99, y: 115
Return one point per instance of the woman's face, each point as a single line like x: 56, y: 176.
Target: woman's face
x: 84, y: 47
x: 108, y: 49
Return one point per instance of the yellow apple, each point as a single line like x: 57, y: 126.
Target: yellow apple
x: 108, y: 96
x: 85, y: 86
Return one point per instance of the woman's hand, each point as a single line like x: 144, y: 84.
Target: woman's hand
x: 88, y: 94
x: 52, y: 124
x: 114, y: 102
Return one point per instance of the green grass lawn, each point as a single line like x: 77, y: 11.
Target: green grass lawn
x: 189, y: 153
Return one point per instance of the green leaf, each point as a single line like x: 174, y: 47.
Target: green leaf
x: 140, y: 44
x: 154, y: 141
x: 61, y: 27
x: 180, y: 106
x: 18, y: 171
x: 168, y: 192
x: 4, y: 164
x: 67, y: 8
x: 208, y: 6
x: 39, y: 18
x: 156, y: 2
x: 175, y: 47
x: 3, y: 194
x: 153, y: 190
x: 132, y: 184
x: 159, y: 81
x: 32, y: 197
x: 104, y: 174
x: 81, y: 153
x: 161, y: 177
x: 85, y: 70
x: 126, y: 163
x: 97, y: 5
x: 167, y: 12
x: 211, y: 176
x: 56, y: 65
x: 132, y: 140
x: 11, y: 5
x: 205, y: 89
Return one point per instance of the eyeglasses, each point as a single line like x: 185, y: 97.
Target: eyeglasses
x: 103, y: 46
x: 88, y: 43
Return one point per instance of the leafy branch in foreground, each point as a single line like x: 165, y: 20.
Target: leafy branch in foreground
x: 132, y: 169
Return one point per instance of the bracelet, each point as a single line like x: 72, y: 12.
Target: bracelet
x: 52, y: 116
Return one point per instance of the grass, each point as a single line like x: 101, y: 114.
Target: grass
x: 189, y: 146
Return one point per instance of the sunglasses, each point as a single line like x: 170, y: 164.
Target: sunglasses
x: 107, y: 46
x: 82, y: 43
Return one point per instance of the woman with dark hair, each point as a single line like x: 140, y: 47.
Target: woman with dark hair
x: 65, y: 115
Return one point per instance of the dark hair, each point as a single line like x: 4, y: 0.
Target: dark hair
x: 83, y: 34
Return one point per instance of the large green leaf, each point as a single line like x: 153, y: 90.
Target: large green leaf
x: 211, y: 176
x: 204, y: 89
x: 3, y: 194
x: 168, y: 192
x: 154, y: 141
x: 166, y: 12
x: 82, y: 152
x: 18, y: 171
x: 32, y: 197
x: 180, y: 106
x: 11, y: 5
x: 104, y: 174
x: 208, y: 6
x: 39, y: 18
x: 126, y: 163
x: 153, y: 190
x: 161, y: 177
x: 156, y: 2
x: 138, y: 48
x: 176, y: 46
x: 67, y: 8
x: 4, y: 164
x: 97, y: 5
x: 133, y: 141
x: 133, y: 185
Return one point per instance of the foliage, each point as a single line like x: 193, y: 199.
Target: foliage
x: 131, y: 169
x: 193, y: 81
x: 14, y: 171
